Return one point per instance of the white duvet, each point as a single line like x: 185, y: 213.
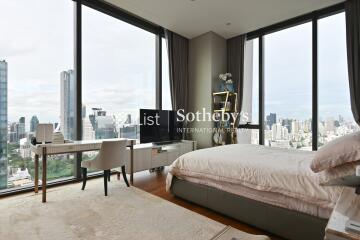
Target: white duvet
x: 272, y: 170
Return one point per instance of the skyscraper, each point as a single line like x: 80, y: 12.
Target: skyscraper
x: 21, y: 128
x: 271, y: 120
x: 3, y: 124
x: 67, y: 104
x: 33, y: 123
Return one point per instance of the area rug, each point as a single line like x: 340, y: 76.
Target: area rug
x: 127, y: 213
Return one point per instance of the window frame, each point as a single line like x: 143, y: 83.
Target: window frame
x: 312, y: 17
x: 116, y: 12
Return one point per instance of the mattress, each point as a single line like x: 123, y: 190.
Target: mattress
x: 275, y: 176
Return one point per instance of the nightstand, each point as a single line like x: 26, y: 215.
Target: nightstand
x: 347, y: 207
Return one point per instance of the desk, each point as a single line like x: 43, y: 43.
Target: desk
x: 43, y: 150
x: 347, y: 207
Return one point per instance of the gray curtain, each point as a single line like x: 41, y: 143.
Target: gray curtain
x: 235, y: 65
x: 178, y: 53
x: 352, y: 9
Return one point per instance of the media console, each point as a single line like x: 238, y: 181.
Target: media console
x: 149, y: 156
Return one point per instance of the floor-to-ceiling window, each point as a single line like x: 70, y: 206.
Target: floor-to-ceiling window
x: 36, y: 84
x: 335, y: 117
x: 288, y: 87
x: 118, y: 75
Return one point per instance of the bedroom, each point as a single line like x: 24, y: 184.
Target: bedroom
x: 245, y: 114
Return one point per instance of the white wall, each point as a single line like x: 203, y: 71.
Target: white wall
x: 207, y: 59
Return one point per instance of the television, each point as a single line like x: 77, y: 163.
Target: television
x: 159, y: 126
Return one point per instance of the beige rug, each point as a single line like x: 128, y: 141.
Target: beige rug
x: 127, y: 213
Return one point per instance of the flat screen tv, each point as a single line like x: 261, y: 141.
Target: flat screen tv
x: 159, y: 126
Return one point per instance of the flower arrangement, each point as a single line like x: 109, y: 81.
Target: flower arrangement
x: 226, y: 77
x: 226, y: 83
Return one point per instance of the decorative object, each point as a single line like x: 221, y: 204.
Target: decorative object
x: 225, y: 103
x: 226, y: 83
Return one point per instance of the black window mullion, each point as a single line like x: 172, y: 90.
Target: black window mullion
x: 78, y: 81
x: 158, y: 71
x: 314, y: 124
x: 261, y: 90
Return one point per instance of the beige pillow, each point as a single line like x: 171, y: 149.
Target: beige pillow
x: 337, y: 152
x: 331, y: 174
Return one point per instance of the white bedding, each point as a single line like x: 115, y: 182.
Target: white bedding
x: 272, y: 170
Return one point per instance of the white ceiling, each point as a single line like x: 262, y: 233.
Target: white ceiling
x: 191, y: 18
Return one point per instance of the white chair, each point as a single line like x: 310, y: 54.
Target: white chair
x: 112, y: 155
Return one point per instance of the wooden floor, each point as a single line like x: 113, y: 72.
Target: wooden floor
x: 154, y: 183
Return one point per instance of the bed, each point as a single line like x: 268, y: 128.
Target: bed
x: 270, y: 188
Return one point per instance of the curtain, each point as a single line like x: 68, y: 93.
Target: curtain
x: 178, y: 52
x: 235, y: 65
x: 352, y: 10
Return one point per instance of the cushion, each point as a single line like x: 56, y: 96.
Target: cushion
x: 336, y: 173
x: 337, y: 152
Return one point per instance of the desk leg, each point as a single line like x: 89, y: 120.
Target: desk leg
x: 36, y: 188
x: 44, y: 175
x: 132, y: 163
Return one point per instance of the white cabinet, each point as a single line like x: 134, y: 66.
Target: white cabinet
x: 147, y: 156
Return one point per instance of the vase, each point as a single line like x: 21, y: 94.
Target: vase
x: 229, y: 87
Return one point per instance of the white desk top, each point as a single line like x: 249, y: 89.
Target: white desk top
x: 347, y: 207
x: 83, y: 146
x: 74, y: 146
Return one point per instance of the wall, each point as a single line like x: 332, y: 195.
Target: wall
x: 207, y: 59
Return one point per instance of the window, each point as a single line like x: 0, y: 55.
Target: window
x: 335, y: 117
x: 33, y: 55
x: 288, y: 87
x: 118, y: 76
x: 166, y: 96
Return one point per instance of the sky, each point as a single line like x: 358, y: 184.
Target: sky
x: 119, y: 67
x: 118, y: 60
x: 288, y: 71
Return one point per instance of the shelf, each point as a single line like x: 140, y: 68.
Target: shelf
x: 224, y: 93
x: 222, y: 110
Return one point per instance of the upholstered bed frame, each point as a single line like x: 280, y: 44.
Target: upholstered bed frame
x: 285, y: 223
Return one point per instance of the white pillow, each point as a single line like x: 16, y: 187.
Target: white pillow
x: 342, y: 150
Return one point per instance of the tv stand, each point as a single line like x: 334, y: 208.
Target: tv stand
x: 163, y: 143
x: 149, y: 156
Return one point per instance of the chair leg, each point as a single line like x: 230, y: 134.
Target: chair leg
x: 105, y: 181
x: 124, y: 175
x: 84, y: 176
x: 118, y: 175
x: 109, y: 175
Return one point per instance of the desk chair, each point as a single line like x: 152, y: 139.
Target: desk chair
x: 112, y: 155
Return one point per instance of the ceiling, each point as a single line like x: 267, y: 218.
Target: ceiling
x: 227, y: 18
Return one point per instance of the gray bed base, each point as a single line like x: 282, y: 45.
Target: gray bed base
x: 279, y: 221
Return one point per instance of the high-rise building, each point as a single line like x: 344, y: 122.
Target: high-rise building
x: 33, y: 123
x: 3, y: 124
x: 88, y: 132
x: 103, y: 125
x: 20, y: 129
x: 67, y: 104
x: 295, y: 127
x: 271, y: 120
x: 128, y: 119
x: 83, y: 111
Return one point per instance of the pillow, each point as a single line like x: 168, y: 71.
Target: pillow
x: 331, y: 174
x: 337, y: 152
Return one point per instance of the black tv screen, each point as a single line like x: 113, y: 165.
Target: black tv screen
x: 158, y: 126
